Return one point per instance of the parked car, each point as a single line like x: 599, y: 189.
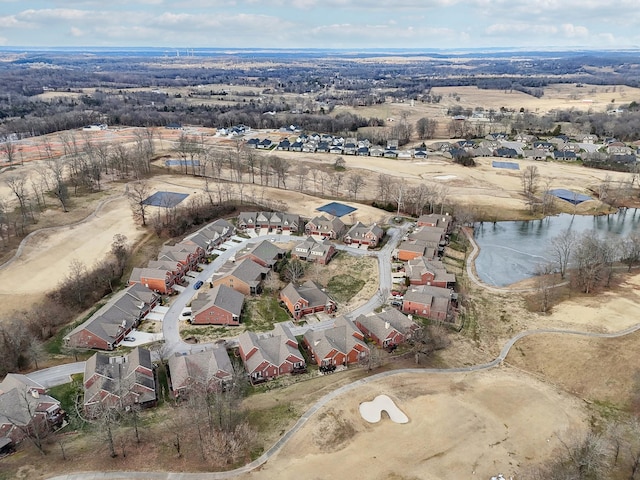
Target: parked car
x: 186, y: 313
x: 198, y: 284
x: 129, y: 339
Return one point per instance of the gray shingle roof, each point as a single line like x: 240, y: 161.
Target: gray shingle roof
x: 203, y: 367
x: 381, y: 323
x: 221, y: 296
x: 274, y: 347
x: 118, y: 376
x: 121, y: 312
x: 341, y: 337
x: 309, y: 290
x: 265, y: 251
x: 249, y: 272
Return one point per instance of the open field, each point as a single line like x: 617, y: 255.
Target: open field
x: 485, y: 188
x: 460, y: 426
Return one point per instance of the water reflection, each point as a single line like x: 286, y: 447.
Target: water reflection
x: 510, y: 251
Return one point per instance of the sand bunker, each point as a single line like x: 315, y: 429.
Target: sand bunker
x: 372, y: 411
x: 445, y: 177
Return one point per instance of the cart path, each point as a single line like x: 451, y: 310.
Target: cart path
x: 322, y: 402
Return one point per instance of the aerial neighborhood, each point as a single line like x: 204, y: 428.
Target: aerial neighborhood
x: 222, y: 262
x: 336, y: 342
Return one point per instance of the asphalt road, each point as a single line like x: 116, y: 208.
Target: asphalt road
x: 170, y: 325
x: 58, y: 375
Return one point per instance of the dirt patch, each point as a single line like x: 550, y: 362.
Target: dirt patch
x: 332, y: 432
x: 595, y: 369
x: 363, y: 269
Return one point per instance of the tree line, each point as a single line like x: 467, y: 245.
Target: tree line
x: 23, y: 334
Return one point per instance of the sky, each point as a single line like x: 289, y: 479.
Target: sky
x: 344, y: 24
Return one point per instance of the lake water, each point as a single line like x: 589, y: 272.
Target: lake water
x: 510, y: 251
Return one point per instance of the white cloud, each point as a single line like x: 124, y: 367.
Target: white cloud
x: 76, y: 32
x: 362, y: 5
x: 57, y: 14
x: 510, y: 29
x: 572, y: 31
x: 381, y: 35
x: 9, y: 21
x: 324, y: 23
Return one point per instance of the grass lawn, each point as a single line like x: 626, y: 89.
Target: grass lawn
x: 67, y: 393
x: 263, y: 312
x: 343, y: 287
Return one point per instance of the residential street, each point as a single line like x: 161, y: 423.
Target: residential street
x: 170, y: 326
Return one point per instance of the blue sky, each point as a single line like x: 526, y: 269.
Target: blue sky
x: 423, y: 24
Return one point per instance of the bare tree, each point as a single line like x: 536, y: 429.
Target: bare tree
x: 584, y: 458
x: 428, y: 339
x: 301, y: 171
x: 530, y: 178
x: 355, y: 184
x: 137, y: 193
x: 325, y: 180
x: 545, y: 286
x: 398, y: 195
x: 59, y: 188
x: 604, y: 189
x: 280, y: 168
x: 4, y: 221
x: 16, y: 184
x: 337, y: 180
x: 251, y: 161
x: 315, y: 175
x: 9, y: 149
x: 561, y: 250
x: 442, y: 193
x: 547, y: 196
x: 385, y: 183
x: 120, y: 250
x: 590, y: 259
x: 425, y: 128
x: 630, y: 250
x: 107, y: 420
x: 187, y: 148
x: 294, y: 270
x: 272, y: 283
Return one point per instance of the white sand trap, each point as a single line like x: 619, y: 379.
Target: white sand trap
x: 445, y: 177
x: 372, y: 411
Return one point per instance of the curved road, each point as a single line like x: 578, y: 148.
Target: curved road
x: 321, y: 403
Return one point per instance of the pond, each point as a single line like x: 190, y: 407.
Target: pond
x: 511, y: 251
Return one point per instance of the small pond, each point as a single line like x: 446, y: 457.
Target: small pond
x: 510, y: 251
